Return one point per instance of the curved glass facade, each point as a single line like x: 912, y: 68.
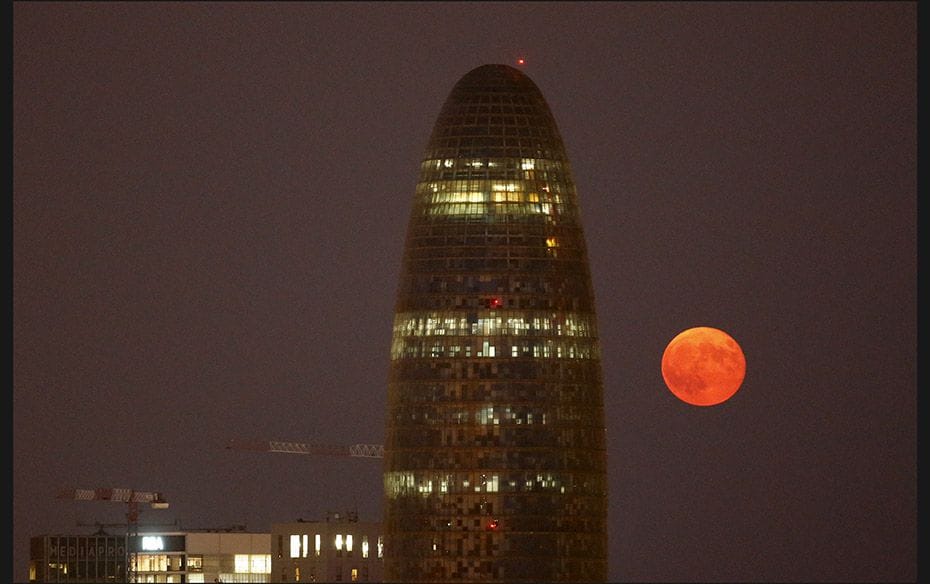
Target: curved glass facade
x: 495, y: 460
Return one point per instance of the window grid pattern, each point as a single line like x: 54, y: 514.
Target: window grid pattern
x: 495, y: 450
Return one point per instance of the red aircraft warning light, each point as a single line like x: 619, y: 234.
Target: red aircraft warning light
x: 494, y: 302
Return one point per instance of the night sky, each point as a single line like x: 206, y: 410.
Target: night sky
x: 209, y: 209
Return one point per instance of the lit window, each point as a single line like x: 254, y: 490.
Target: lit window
x: 242, y: 563
x: 338, y: 541
x: 349, y: 543
x: 260, y: 563
x: 364, y: 546
x: 501, y: 186
x: 304, y: 547
x: 380, y: 546
x: 355, y: 574
x: 295, y: 546
x: 316, y: 544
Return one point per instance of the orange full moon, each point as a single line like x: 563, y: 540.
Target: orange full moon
x: 703, y: 366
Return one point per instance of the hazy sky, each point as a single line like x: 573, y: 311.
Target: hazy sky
x: 209, y: 209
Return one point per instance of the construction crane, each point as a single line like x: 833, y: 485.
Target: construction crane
x: 356, y: 450
x: 132, y: 499
x: 101, y: 527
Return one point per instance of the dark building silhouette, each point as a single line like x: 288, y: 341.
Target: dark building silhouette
x: 495, y: 460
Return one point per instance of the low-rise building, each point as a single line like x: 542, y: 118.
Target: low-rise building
x: 176, y: 556
x: 338, y: 549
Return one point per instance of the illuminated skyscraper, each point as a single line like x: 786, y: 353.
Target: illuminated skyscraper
x: 495, y: 460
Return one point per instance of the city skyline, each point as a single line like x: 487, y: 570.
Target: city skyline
x: 190, y: 181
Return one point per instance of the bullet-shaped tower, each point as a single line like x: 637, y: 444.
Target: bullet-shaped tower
x: 495, y: 460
